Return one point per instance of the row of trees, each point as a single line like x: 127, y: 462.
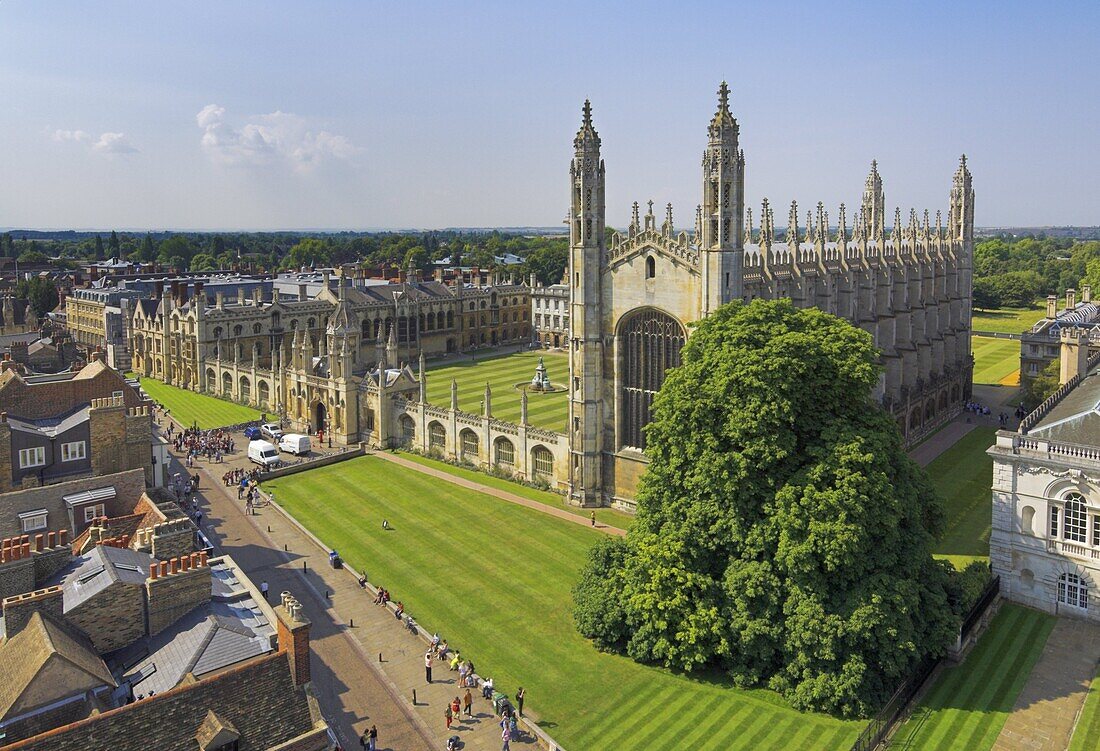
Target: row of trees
x: 544, y: 256
x: 783, y: 535
x: 1013, y: 272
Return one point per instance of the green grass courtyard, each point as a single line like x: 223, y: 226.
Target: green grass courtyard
x: 191, y: 408
x: 503, y: 372
x: 996, y: 361
x: 968, y: 705
x: 963, y: 475
x: 495, y: 578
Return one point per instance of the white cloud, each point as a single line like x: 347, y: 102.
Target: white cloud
x: 114, y: 143
x: 107, y: 143
x: 72, y: 135
x: 277, y: 137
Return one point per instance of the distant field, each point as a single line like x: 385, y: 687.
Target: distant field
x: 995, y: 360
x: 503, y: 372
x: 1007, y: 320
x: 968, y: 705
x: 190, y: 408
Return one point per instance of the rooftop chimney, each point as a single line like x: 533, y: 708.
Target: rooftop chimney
x: 293, y: 634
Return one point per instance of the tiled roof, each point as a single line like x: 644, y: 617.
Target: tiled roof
x: 99, y: 568
x: 24, y: 657
x: 259, y: 700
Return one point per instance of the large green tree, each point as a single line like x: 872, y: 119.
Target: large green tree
x: 41, y: 293
x: 783, y: 535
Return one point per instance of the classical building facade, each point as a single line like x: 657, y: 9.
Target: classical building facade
x: 633, y: 296
x: 550, y: 315
x: 1039, y: 345
x: 1045, y: 539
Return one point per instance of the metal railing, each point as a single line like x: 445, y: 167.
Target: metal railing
x: 883, y: 723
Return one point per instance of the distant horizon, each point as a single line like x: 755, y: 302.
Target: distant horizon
x: 345, y: 115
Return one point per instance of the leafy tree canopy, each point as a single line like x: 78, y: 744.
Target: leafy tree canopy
x: 40, y: 293
x: 783, y: 535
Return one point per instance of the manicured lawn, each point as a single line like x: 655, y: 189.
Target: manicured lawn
x: 994, y: 359
x: 190, y: 408
x: 1086, y: 736
x: 495, y: 578
x: 963, y: 476
x: 970, y: 702
x: 550, y: 411
x: 1007, y: 320
x: 608, y: 516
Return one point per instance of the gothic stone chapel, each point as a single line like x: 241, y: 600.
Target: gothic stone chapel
x: 632, y: 296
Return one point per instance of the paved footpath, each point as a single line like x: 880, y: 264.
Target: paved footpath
x: 349, y: 632
x: 1047, y: 707
x: 504, y: 495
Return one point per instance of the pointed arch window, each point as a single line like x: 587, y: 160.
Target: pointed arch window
x: 650, y: 267
x: 649, y: 344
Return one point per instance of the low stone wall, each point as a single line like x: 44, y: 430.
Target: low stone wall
x: 343, y: 455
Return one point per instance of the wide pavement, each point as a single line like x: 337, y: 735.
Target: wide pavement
x: 349, y: 632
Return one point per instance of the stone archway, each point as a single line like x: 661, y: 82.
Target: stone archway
x: 319, y: 416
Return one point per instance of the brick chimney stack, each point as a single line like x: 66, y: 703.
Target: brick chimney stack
x: 293, y: 632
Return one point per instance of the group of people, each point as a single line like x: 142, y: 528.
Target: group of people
x: 976, y: 408
x: 240, y: 477
x: 211, y: 444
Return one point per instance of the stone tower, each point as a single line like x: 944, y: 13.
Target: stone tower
x: 723, y: 208
x: 586, y: 257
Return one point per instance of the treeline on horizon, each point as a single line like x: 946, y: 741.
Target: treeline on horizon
x: 1014, y: 272
x: 544, y: 256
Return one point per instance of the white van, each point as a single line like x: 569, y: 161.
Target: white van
x: 263, y: 453
x: 294, y: 443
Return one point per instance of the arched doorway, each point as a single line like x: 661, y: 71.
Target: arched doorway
x: 649, y: 344
x: 320, y: 415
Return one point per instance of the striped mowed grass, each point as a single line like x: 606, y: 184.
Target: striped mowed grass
x: 968, y: 705
x: 1086, y: 736
x: 994, y: 359
x: 191, y: 408
x: 502, y: 373
x: 494, y: 579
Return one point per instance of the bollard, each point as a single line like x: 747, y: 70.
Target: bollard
x: 303, y: 565
x: 414, y: 697
x: 327, y: 595
x: 268, y: 527
x: 284, y: 548
x: 380, y: 657
x: 351, y: 623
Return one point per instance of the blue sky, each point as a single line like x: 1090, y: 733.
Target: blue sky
x: 247, y: 115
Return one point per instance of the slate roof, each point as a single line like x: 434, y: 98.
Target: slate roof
x: 51, y: 426
x: 230, y: 628
x: 89, y: 574
x: 1076, y: 418
x: 23, y: 657
x: 258, y: 699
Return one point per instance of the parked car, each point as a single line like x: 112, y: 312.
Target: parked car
x: 271, y: 431
x: 252, y: 433
x: 294, y: 443
x: 263, y: 453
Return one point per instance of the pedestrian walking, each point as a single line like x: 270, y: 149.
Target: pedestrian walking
x: 263, y: 590
x: 505, y: 739
x: 593, y: 518
x: 449, y: 715
x: 428, y: 666
x: 519, y: 700
x: 468, y: 704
